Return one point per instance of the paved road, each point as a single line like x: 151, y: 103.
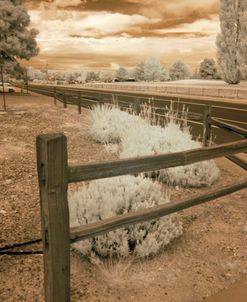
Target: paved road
x: 227, y: 110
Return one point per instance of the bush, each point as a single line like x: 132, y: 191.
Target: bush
x: 138, y: 138
x: 109, y: 124
x: 115, y: 196
x: 151, y: 140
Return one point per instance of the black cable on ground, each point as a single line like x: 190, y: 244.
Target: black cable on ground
x: 21, y: 253
x: 12, y: 246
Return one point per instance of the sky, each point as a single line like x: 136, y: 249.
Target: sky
x: 106, y: 34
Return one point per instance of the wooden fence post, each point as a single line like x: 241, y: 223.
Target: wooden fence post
x: 137, y: 106
x: 79, y: 102
x: 52, y: 167
x: 64, y: 101
x: 55, y: 95
x: 2, y: 79
x: 207, y: 129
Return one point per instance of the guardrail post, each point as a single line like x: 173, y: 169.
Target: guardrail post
x: 79, y: 102
x: 52, y: 172
x: 207, y: 129
x: 55, y: 95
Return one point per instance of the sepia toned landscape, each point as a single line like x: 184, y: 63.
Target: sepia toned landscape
x: 123, y: 151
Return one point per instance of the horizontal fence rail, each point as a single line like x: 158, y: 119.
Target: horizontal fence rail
x: 98, y: 228
x: 88, y: 97
x: 227, y: 126
x: 54, y: 176
x: 238, y: 161
x: 196, y: 90
x: 151, y: 163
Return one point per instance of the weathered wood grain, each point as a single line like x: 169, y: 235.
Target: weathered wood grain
x: 110, y: 224
x: 228, y: 126
x: 207, y: 131
x: 238, y: 161
x: 152, y: 163
x: 52, y: 173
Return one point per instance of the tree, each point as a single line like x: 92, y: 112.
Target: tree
x: 13, y: 69
x: 164, y: 76
x: 228, y: 41
x: 242, y: 51
x: 179, y: 70
x: 208, y: 69
x: 16, y: 40
x: 71, y: 77
x: 121, y: 74
x: 151, y: 70
x: 195, y: 74
x: 92, y: 76
x: 35, y: 74
x: 139, y: 71
x: 106, y: 77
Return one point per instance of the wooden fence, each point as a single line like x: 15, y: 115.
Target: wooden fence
x: 55, y: 174
x: 78, y: 99
x: 130, y: 100
x: 191, y: 90
x: 136, y: 105
x: 204, y: 118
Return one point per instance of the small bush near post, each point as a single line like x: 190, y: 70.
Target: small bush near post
x: 115, y: 196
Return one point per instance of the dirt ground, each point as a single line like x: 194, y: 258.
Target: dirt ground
x: 210, y: 256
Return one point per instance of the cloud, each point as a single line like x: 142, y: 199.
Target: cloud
x: 137, y: 33
x: 106, y: 33
x: 159, y: 14
x: 91, y: 25
x: 85, y: 53
x: 169, y: 13
x: 70, y: 3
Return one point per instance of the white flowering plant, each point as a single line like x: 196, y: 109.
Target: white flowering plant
x: 137, y: 137
x: 110, y: 124
x: 106, y: 198
x: 152, y: 140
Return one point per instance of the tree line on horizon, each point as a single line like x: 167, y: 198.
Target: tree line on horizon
x: 149, y: 70
x: 18, y: 42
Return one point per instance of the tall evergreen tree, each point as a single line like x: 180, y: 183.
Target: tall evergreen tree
x: 16, y: 40
x: 242, y: 51
x: 229, y: 40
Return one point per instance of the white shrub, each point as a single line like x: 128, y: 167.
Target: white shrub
x: 138, y: 138
x: 109, y: 124
x: 115, y: 196
x: 151, y: 140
